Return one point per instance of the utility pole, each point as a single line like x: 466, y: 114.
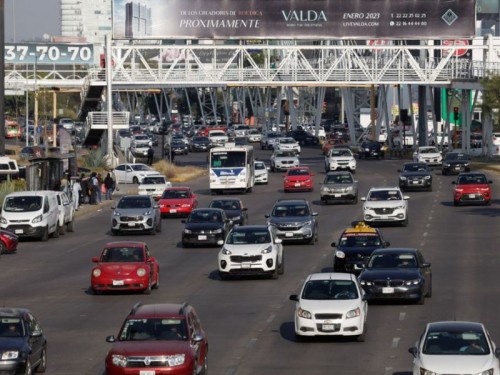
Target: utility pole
x: 2, y: 78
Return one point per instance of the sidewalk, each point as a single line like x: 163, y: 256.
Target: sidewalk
x: 105, y: 205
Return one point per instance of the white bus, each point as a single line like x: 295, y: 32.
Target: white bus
x: 231, y: 168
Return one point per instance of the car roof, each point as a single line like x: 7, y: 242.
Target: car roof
x: 330, y: 276
x: 455, y: 326
x: 208, y: 209
x: 361, y: 227
x: 157, y: 310
x: 291, y: 201
x: 17, y: 312
x: 384, y: 188
x: 124, y: 244
x: 395, y: 250
x: 249, y: 228
x: 178, y: 188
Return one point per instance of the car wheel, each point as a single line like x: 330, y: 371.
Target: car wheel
x: 148, y: 288
x: 429, y: 292
x: 70, y: 227
x: 185, y: 245
x: 444, y: 172
x: 302, y: 143
x: 223, y: 275
x: 158, y: 226
x: 488, y: 202
x: 62, y: 229
x: 355, y: 200
x: 272, y: 168
x: 421, y: 299
x: 114, y: 232
x: 362, y: 337
x: 455, y: 203
x: 430, y: 188
x: 300, y: 338
x: 404, y: 223
x: 275, y: 274
x: 156, y: 285
x: 45, y: 235
x: 135, y: 180
x: 204, y: 369
x: 282, y: 266
x: 43, y: 361
x: 28, y: 370
x: 57, y: 231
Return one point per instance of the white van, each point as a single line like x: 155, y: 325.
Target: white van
x: 31, y: 214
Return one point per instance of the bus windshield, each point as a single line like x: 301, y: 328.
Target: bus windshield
x: 227, y: 159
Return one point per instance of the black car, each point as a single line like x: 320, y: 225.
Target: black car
x: 178, y: 147
x: 153, y: 138
x: 415, y: 176
x: 395, y: 274
x: 303, y: 137
x: 22, y: 342
x: 355, y: 246
x: 199, y: 143
x: 206, y: 226
x: 370, y: 150
x: 234, y: 209
x: 455, y: 163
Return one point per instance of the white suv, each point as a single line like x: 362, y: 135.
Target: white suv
x: 340, y: 158
x: 287, y: 143
x: 385, y: 204
x: 429, y: 155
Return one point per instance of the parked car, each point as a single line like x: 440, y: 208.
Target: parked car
x: 29, y: 152
x: 455, y: 347
x: 125, y: 265
x: 396, y: 274
x: 354, y: 247
x: 429, y: 155
x: 283, y: 160
x: 415, y: 176
x: 385, y: 205
x: 330, y: 304
x: 251, y: 250
x: 261, y: 172
x: 66, y: 213
x: 205, y: 226
x: 154, y: 186
x: 133, y: 172
x: 234, y: 209
x: 455, y: 162
x: 136, y: 213
x: 294, y: 220
x: 339, y: 187
x: 340, y: 158
x: 23, y: 343
x: 177, y: 201
x: 298, y: 179
x: 472, y: 188
x: 8, y: 242
x: 159, y: 338
x: 67, y: 123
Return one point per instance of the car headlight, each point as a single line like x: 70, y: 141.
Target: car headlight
x: 305, y: 223
x: 141, y: 272
x: 226, y: 251
x: 366, y: 282
x: 427, y: 177
x: 2, y: 220
x: 96, y: 272
x: 367, y: 149
x: 353, y: 313
x: 340, y: 254
x: 267, y: 250
x: 400, y: 207
x: 147, y: 213
x: 217, y: 231
x: 116, y: 213
x: 466, y: 164
x: 413, y: 282
x: 236, y: 218
x: 12, y: 354
x: 119, y: 360
x: 304, y: 313
x: 175, y: 360
x: 402, y: 178
x: 37, y: 219
x: 188, y: 231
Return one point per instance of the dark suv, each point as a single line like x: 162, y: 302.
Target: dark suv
x: 161, y: 339
x: 303, y: 137
x: 294, y: 219
x: 22, y: 342
x: 355, y: 246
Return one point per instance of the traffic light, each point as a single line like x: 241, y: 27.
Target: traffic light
x: 324, y: 108
x: 455, y: 113
x: 102, y: 60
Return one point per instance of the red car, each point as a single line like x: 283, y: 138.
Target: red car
x: 125, y: 265
x: 297, y: 179
x: 8, y: 242
x: 177, y: 201
x: 471, y: 188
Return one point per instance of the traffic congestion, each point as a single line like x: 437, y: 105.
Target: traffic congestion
x: 334, y: 262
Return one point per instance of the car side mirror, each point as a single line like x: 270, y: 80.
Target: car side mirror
x: 399, y: 170
x: 220, y: 242
x: 426, y: 265
x: 490, y: 182
x: 183, y: 221
x: 294, y: 297
x: 110, y: 338
x: 406, y: 197
x: 267, y: 216
x: 113, y: 207
x: 278, y: 241
x: 95, y: 260
x: 151, y: 259
x: 453, y: 182
x: 363, y: 199
x: 333, y: 244
x: 244, y: 209
x: 497, y: 352
x: 413, y: 350
x: 387, y: 244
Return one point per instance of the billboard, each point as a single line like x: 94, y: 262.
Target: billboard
x: 49, y: 53
x: 293, y: 19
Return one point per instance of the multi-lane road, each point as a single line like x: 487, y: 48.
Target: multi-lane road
x: 249, y: 322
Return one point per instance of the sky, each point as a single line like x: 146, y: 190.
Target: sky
x: 29, y: 20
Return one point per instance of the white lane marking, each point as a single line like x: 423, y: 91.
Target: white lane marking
x: 425, y: 234
x: 395, y: 342
x: 388, y: 371
x: 271, y: 318
x: 402, y: 316
x: 251, y: 342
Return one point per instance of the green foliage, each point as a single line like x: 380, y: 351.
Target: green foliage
x: 491, y: 97
x: 95, y: 159
x: 8, y: 187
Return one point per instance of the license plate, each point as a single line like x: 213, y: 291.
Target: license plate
x: 328, y: 327
x: 118, y: 282
x: 245, y: 265
x: 387, y: 290
x: 472, y: 195
x: 202, y: 237
x: 297, y: 184
x: 337, y: 195
x: 415, y: 182
x: 131, y: 224
x: 172, y: 211
x: 147, y: 372
x: 288, y: 234
x: 19, y: 231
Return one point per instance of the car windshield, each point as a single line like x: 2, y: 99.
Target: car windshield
x: 421, y: 167
x: 153, y: 181
x: 205, y: 216
x: 226, y: 204
x: 285, y: 154
x: 472, y: 179
x: 299, y: 172
x: 456, y: 156
x: 22, y: 204
x: 141, y: 138
x: 330, y: 290
x: 134, y: 202
x: 260, y: 166
x: 456, y: 343
x: 392, y: 261
x: 175, y: 194
x: 200, y: 140
x: 340, y: 152
x: 153, y: 329
x: 359, y: 240
x: 287, y: 141
x: 429, y: 150
x: 122, y: 254
x: 140, y: 167
x: 11, y: 327
x: 338, y: 179
x: 246, y: 237
x: 290, y: 210
x: 384, y: 195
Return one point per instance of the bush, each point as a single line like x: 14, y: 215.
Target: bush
x: 8, y: 187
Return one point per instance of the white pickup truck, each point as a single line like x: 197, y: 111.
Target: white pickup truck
x: 217, y: 137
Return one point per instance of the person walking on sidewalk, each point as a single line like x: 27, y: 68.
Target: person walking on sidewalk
x: 109, y: 184
x: 151, y: 154
x: 75, y: 192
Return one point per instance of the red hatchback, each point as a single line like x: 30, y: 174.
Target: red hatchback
x: 177, y: 201
x: 472, y: 188
x: 8, y: 242
x: 298, y: 179
x: 125, y: 265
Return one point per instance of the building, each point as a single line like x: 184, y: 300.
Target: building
x: 138, y: 20
x: 91, y: 19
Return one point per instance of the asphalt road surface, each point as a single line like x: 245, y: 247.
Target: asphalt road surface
x: 249, y: 322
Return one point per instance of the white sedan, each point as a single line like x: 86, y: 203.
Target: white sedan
x: 154, y: 186
x: 251, y: 250
x: 133, y: 172
x: 455, y: 347
x: 330, y: 304
x: 429, y: 155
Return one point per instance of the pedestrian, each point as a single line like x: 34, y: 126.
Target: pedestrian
x: 76, y: 190
x: 151, y: 154
x: 93, y: 188
x: 64, y: 184
x: 109, y: 184
x: 99, y: 187
x: 171, y: 155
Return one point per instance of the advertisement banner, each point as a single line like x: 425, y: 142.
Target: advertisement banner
x: 293, y: 19
x: 49, y: 53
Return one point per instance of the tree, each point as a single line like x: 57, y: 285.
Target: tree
x: 491, y: 98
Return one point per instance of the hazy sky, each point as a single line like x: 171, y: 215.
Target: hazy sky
x: 28, y: 20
